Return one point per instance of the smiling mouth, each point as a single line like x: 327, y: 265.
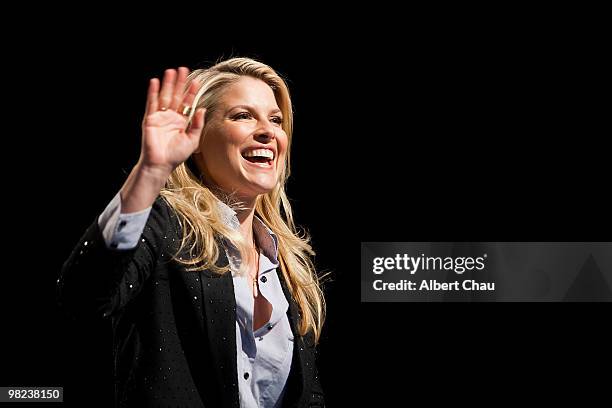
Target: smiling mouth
x: 260, y: 157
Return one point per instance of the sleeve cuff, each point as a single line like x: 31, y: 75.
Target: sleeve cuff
x: 121, y: 231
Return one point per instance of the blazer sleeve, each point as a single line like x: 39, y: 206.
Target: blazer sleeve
x: 98, y: 281
x: 317, y: 397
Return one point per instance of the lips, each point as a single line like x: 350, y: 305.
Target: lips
x: 261, y: 157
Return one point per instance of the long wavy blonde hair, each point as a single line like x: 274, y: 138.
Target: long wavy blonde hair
x: 196, y: 201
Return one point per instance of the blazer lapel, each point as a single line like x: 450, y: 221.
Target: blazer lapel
x: 215, y: 302
x: 219, y: 321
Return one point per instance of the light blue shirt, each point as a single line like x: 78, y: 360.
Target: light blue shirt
x: 264, y: 355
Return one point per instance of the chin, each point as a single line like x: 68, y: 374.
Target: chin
x: 259, y: 183
x: 260, y: 188
x: 255, y: 181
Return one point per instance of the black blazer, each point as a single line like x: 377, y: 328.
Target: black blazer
x: 174, y: 331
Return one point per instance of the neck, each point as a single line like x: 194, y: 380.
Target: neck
x: 245, y: 218
x: 245, y: 215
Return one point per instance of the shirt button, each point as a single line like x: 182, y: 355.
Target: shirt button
x: 122, y: 224
x: 264, y: 279
x: 246, y: 376
x: 269, y: 327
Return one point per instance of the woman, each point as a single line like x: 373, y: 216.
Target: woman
x: 213, y: 297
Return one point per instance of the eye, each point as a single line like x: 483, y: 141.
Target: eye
x: 277, y: 119
x: 242, y: 115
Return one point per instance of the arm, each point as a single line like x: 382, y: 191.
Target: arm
x: 99, y: 279
x: 120, y: 230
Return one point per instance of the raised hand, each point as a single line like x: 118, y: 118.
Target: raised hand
x: 169, y: 137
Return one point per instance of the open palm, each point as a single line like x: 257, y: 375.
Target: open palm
x: 168, y: 136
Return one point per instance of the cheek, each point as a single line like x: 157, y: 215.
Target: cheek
x: 283, y: 144
x: 237, y: 133
x: 221, y: 146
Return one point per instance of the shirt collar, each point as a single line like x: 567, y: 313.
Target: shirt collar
x: 266, y: 239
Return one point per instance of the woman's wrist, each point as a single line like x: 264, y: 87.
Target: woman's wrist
x: 154, y: 174
x: 142, y: 187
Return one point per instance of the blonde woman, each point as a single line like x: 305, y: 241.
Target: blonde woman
x: 213, y: 296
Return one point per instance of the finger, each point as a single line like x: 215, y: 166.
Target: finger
x: 179, y: 88
x: 197, y: 124
x: 167, y: 88
x: 152, y: 95
x: 191, y: 93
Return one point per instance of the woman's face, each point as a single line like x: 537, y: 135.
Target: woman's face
x: 244, y: 147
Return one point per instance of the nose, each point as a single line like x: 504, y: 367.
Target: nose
x: 265, y: 133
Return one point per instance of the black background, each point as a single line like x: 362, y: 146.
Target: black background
x: 471, y: 131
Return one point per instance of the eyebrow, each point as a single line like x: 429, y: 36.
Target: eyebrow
x: 250, y: 108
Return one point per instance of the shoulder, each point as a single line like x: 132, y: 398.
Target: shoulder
x: 162, y: 221
x: 162, y: 209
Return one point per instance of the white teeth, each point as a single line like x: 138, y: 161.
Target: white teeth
x: 269, y: 154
